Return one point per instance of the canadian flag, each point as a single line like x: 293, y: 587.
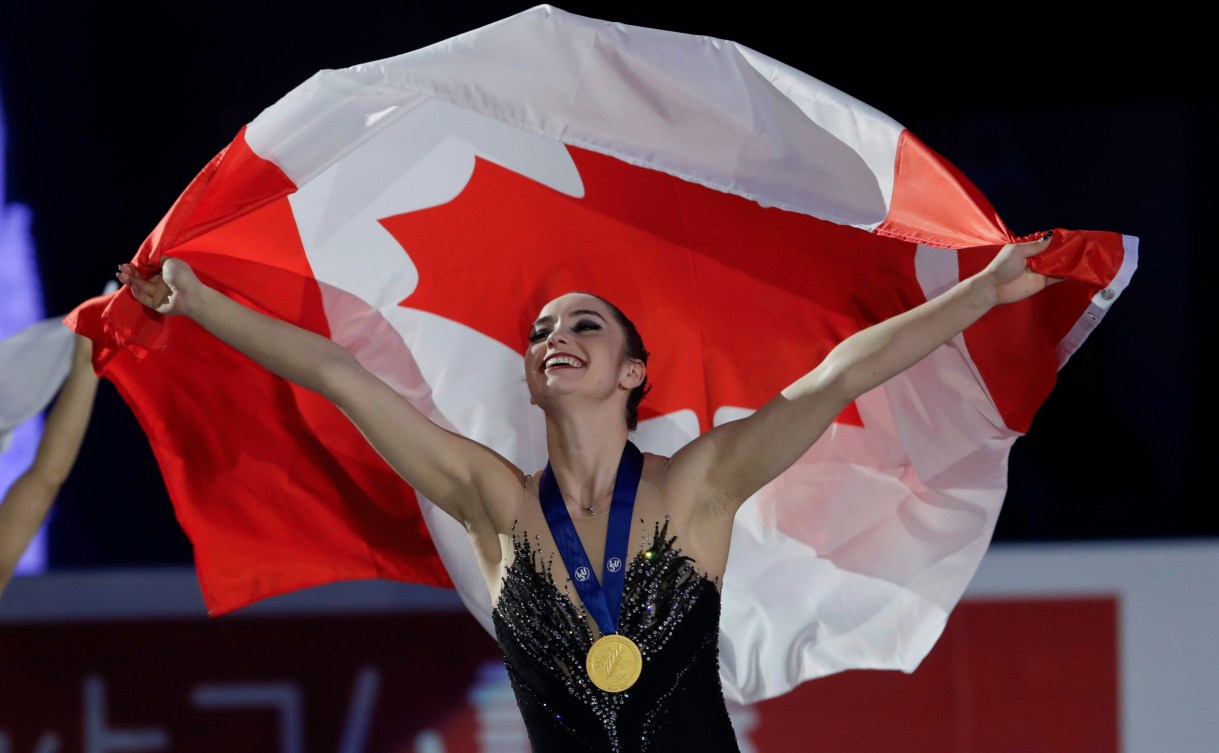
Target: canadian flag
x: 420, y: 209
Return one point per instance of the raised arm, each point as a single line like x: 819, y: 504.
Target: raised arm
x: 732, y: 461
x: 453, y: 471
x: 28, y: 500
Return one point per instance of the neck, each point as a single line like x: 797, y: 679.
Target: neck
x: 584, y: 456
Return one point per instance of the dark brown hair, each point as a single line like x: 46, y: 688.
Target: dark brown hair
x: 634, y: 350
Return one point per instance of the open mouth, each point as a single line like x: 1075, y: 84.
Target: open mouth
x: 562, y: 361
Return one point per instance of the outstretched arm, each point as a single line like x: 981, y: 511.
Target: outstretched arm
x: 28, y: 500
x: 453, y: 471
x: 734, y: 460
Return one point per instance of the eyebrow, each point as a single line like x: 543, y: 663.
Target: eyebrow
x: 577, y: 312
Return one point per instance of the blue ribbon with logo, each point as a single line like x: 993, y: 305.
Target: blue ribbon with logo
x: 602, y: 600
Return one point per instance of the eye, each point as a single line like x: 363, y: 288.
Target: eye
x: 538, y: 335
x: 586, y: 325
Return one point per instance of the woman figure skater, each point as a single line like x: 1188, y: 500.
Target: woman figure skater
x: 604, y: 566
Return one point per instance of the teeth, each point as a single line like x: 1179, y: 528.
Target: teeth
x: 562, y: 361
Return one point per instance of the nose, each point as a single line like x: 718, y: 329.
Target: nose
x: 556, y: 336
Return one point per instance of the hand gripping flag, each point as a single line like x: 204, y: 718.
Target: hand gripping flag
x: 420, y: 209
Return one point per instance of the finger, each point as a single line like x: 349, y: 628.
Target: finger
x: 142, y: 290
x: 1032, y: 248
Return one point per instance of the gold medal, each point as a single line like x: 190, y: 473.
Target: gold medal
x: 614, y: 663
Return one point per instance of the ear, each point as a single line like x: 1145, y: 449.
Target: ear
x: 633, y: 375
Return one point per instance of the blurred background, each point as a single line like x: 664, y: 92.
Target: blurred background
x: 109, y: 110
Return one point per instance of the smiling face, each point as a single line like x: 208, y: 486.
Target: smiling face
x: 577, y: 347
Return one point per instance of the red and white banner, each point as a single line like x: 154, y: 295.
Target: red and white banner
x: 420, y: 209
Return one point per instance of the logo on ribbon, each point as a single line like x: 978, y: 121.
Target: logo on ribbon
x: 582, y: 573
x: 614, y: 564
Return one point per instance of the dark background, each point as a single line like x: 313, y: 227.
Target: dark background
x: 1098, y: 124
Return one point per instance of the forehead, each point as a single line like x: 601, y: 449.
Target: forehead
x: 570, y: 302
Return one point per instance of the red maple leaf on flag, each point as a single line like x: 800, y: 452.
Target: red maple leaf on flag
x: 734, y: 300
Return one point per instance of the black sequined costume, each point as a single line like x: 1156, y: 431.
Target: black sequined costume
x: 668, y: 608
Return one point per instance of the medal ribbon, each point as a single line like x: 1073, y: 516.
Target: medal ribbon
x: 602, y: 600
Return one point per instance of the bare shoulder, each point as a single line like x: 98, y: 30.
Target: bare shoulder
x: 513, y: 504
x: 652, y: 460
x: 682, y: 470
x: 697, y: 513
x: 684, y: 480
x: 655, y: 469
x: 672, y: 487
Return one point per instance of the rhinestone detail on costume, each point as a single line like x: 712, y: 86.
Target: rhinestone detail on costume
x: 545, y: 636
